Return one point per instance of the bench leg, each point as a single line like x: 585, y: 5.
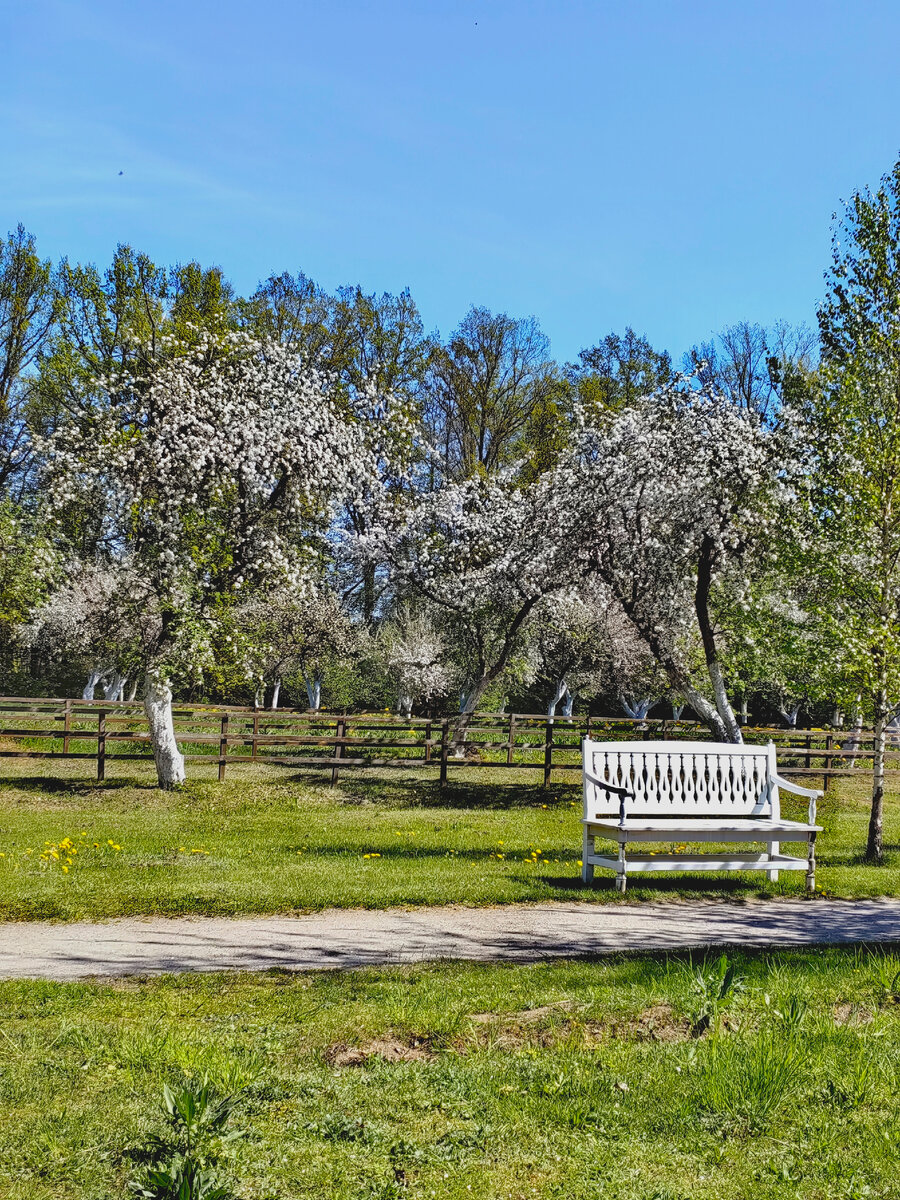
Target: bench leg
x: 774, y: 848
x: 621, y: 870
x: 811, y: 864
x: 587, y: 849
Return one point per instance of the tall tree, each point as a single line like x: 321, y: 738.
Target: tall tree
x: 853, y: 422
x: 749, y: 363
x: 618, y: 371
x: 484, y: 387
x: 27, y: 311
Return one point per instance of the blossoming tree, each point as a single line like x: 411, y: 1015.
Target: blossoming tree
x: 669, y: 501
x: 220, y: 468
x: 482, y: 553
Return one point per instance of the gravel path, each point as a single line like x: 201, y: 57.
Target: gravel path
x: 342, y: 938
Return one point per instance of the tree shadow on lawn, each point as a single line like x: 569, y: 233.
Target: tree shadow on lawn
x: 427, y: 793
x: 50, y: 785
x: 411, y: 852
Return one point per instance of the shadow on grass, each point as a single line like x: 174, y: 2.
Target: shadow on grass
x: 427, y: 793
x: 48, y: 785
x: 663, y: 885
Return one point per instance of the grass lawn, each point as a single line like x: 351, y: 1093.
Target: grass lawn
x: 574, y: 1080
x: 271, y: 839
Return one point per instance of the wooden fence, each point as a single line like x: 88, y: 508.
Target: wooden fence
x: 109, y: 731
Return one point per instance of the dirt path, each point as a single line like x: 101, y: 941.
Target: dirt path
x: 356, y: 938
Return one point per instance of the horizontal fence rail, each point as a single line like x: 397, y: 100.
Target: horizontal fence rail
x: 110, y: 731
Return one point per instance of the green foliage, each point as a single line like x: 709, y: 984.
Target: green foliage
x: 714, y: 990
x: 182, y: 1166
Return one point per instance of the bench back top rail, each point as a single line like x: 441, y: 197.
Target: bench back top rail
x: 680, y: 779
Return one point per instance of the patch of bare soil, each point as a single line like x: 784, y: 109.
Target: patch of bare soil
x: 531, y: 1026
x: 387, y: 1049
x: 852, y: 1014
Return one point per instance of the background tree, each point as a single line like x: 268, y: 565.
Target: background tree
x: 617, y: 372
x: 415, y: 655
x: 749, y: 363
x: 483, y: 388
x: 27, y: 311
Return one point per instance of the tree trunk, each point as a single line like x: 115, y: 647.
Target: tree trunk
x: 561, y: 688
x: 313, y: 687
x: 569, y: 702
x: 115, y: 688
x: 158, y: 707
x: 875, y: 841
x: 132, y: 691
x: 276, y: 692
x: 405, y: 705
x: 727, y: 720
x: 93, y: 681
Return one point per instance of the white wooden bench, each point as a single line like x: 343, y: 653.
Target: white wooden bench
x: 690, y: 792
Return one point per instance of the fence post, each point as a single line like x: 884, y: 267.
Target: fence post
x: 829, y: 745
x: 548, y: 752
x: 253, y: 743
x: 338, y: 749
x: 428, y: 742
x: 67, y: 726
x: 223, y: 747
x: 509, y: 740
x: 809, y: 752
x: 101, y: 745
x: 445, y: 738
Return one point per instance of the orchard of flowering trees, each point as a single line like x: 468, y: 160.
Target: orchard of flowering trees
x: 303, y: 498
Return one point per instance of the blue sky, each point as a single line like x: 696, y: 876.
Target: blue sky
x: 672, y: 166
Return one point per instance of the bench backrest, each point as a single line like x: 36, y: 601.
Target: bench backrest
x: 681, y: 779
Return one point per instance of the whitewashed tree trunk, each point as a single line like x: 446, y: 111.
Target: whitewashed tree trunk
x: 569, y: 702
x: 94, y: 679
x: 637, y: 709
x: 259, y: 699
x: 561, y: 688
x: 677, y: 710
x: 837, y: 718
x: 744, y: 715
x: 313, y: 685
x: 276, y: 693
x: 158, y: 707
x: 405, y: 704
x: 114, y: 688
x: 789, y: 714
x: 132, y: 691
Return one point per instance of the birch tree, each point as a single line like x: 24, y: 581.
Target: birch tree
x: 852, y: 417
x: 220, y: 468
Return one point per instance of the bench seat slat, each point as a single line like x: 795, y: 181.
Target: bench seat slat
x: 703, y: 862
x: 702, y: 829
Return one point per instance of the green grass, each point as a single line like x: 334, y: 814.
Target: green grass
x: 275, y: 840
x: 563, y: 1079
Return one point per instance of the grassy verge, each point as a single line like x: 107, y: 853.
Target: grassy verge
x: 621, y: 1078
x: 274, y: 840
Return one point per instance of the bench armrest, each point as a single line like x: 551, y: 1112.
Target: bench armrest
x: 812, y: 794
x: 622, y: 793
x: 608, y: 787
x: 789, y: 786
